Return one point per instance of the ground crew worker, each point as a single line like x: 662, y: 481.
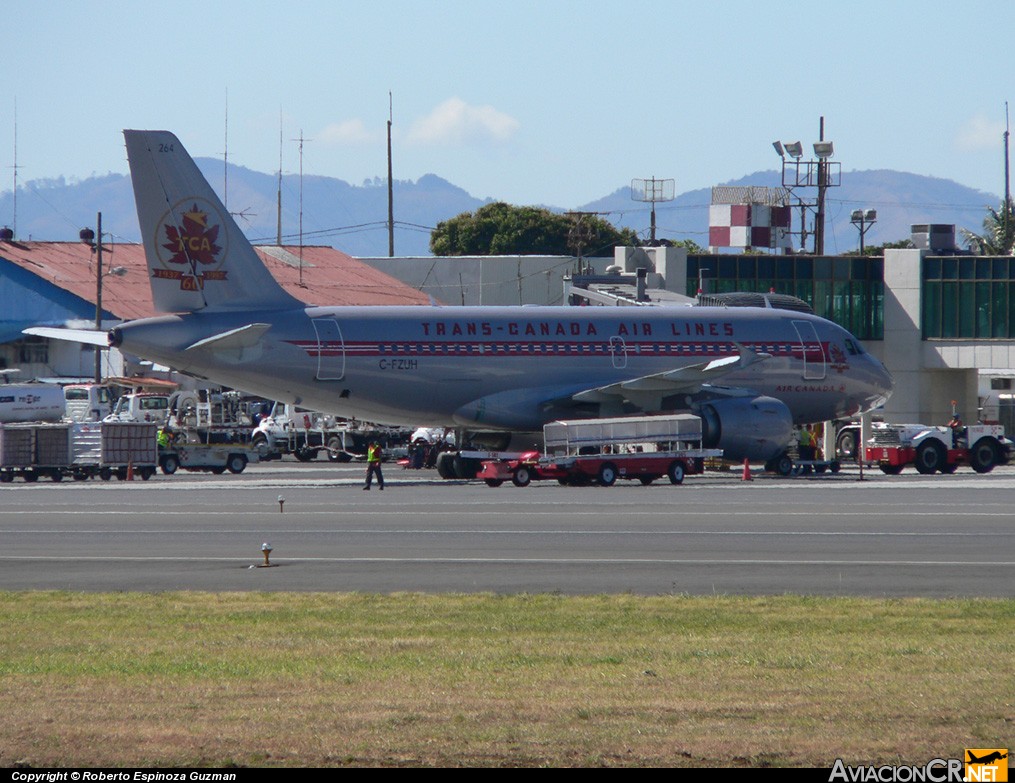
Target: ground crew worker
x: 804, y: 448
x: 374, y: 465
x: 163, y: 438
x: 957, y: 428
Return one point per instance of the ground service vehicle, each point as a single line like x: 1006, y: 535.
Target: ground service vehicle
x: 141, y: 406
x: 601, y: 451
x: 931, y: 449
x: 213, y: 457
x: 77, y: 450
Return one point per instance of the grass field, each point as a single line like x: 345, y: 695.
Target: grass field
x: 482, y: 680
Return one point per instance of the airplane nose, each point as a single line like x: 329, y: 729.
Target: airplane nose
x: 883, y: 382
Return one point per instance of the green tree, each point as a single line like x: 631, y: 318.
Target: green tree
x: 998, y: 237
x: 879, y: 250
x: 503, y: 229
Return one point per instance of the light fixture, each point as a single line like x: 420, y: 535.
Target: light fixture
x: 794, y: 148
x: 778, y: 148
x: 823, y: 149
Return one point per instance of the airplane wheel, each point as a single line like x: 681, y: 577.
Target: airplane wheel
x: 930, y: 456
x: 522, y: 476
x: 607, y: 474
x: 983, y: 455
x: 443, y: 465
x: 845, y: 444
x: 783, y: 465
x: 676, y: 472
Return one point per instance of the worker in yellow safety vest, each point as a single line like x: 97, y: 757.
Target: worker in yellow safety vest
x: 374, y: 465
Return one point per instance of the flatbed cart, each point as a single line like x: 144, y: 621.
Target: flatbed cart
x: 601, y: 451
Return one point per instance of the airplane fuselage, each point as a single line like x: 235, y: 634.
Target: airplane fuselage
x: 494, y: 368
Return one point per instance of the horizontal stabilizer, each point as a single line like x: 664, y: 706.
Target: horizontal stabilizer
x: 244, y: 337
x: 86, y: 336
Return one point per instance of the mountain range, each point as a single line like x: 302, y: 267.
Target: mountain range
x: 352, y: 218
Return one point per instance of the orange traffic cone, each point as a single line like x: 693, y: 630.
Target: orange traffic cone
x: 747, y: 471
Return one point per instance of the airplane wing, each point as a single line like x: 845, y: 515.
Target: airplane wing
x: 86, y: 336
x: 647, y: 391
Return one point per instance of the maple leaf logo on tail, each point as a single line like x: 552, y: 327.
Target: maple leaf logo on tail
x: 194, y: 241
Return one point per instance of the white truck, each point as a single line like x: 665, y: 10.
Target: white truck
x: 31, y: 402
x: 303, y: 433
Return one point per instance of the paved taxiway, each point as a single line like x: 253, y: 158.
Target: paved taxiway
x: 887, y: 536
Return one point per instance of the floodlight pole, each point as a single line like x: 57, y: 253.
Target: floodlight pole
x: 819, y: 218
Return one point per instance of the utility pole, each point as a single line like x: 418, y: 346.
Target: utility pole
x: 98, y: 294
x: 391, y: 191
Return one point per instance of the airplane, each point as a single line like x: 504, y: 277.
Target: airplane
x: 751, y: 373
x: 990, y: 758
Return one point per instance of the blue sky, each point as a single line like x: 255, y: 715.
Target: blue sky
x: 549, y: 102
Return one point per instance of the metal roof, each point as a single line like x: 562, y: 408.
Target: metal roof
x: 328, y: 276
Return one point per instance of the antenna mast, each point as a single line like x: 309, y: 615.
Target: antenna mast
x: 14, y: 220
x: 278, y: 230
x: 301, y: 140
x: 225, y: 159
x: 1007, y: 188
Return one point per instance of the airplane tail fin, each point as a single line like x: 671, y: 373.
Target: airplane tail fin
x: 198, y: 258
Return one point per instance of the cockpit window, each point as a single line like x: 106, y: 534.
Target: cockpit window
x: 853, y: 348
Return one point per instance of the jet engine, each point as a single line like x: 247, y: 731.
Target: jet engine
x: 758, y: 428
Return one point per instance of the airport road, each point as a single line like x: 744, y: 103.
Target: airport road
x: 833, y: 535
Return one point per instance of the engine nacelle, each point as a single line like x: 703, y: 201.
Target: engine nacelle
x: 755, y: 428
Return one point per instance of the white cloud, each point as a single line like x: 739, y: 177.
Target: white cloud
x: 456, y: 122
x: 980, y: 133
x: 348, y: 132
